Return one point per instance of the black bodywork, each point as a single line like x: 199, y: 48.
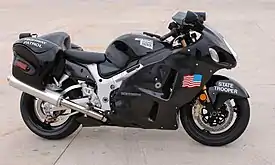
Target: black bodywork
x: 152, y: 97
x: 143, y: 105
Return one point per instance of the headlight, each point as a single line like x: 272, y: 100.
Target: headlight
x: 230, y: 48
x: 214, y: 55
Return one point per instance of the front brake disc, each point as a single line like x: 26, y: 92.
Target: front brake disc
x: 219, y: 127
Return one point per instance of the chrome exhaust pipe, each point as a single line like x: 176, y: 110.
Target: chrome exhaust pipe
x: 53, y: 98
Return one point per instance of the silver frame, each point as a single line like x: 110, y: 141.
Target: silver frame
x: 106, y: 86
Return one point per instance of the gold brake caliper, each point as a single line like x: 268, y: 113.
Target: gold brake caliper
x: 197, y: 109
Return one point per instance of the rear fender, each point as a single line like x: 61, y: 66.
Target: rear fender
x: 222, y: 88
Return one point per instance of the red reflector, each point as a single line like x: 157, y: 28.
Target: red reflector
x: 21, y: 65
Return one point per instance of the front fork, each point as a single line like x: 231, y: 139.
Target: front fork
x: 204, y: 89
x: 205, y: 101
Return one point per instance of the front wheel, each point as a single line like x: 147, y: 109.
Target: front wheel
x: 219, y: 127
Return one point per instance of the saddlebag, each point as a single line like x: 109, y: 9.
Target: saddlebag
x: 35, y: 59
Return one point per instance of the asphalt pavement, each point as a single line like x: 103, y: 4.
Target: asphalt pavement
x: 248, y: 26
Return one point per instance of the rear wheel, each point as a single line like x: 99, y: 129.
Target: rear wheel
x: 218, y: 127
x: 34, y: 116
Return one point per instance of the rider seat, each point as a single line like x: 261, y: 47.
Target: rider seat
x: 84, y: 57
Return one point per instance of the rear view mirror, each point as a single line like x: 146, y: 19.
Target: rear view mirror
x: 201, y: 15
x: 191, y: 17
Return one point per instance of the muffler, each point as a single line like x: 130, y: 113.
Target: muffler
x: 53, y: 98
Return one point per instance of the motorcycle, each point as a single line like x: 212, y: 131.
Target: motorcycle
x: 143, y: 81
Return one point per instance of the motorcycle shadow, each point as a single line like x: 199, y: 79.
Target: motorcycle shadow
x: 128, y: 135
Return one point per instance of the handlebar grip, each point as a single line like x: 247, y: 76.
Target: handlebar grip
x: 151, y: 34
x: 147, y: 33
x: 171, y: 33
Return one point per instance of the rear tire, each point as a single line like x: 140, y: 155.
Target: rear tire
x: 41, y: 129
x: 220, y: 139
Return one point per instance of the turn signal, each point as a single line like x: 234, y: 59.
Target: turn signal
x: 203, y: 97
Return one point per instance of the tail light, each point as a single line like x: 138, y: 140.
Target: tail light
x: 21, y: 65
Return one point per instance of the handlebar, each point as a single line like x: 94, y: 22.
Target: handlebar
x: 175, y: 29
x: 195, y: 24
x: 171, y: 33
x: 151, y: 34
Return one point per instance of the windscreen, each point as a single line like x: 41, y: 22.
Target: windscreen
x: 179, y: 17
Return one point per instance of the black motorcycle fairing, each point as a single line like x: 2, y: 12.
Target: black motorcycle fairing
x: 196, y: 59
x: 154, y: 80
x: 134, y: 108
x: 188, y: 66
x: 140, y: 102
x: 200, y: 51
x: 216, y: 40
x: 167, y: 68
x: 78, y: 72
x: 107, y: 69
x: 222, y: 88
x: 84, y: 57
x: 156, y: 57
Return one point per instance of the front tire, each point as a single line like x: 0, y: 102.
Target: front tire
x: 205, y: 137
x: 40, y: 128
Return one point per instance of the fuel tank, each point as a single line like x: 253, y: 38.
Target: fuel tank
x: 139, y: 44
x: 125, y: 51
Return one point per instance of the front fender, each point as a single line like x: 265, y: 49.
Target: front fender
x: 224, y: 88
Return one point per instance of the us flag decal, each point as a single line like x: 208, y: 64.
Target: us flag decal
x: 191, y: 81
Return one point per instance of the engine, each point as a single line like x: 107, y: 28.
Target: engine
x: 88, y: 98
x: 89, y: 91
